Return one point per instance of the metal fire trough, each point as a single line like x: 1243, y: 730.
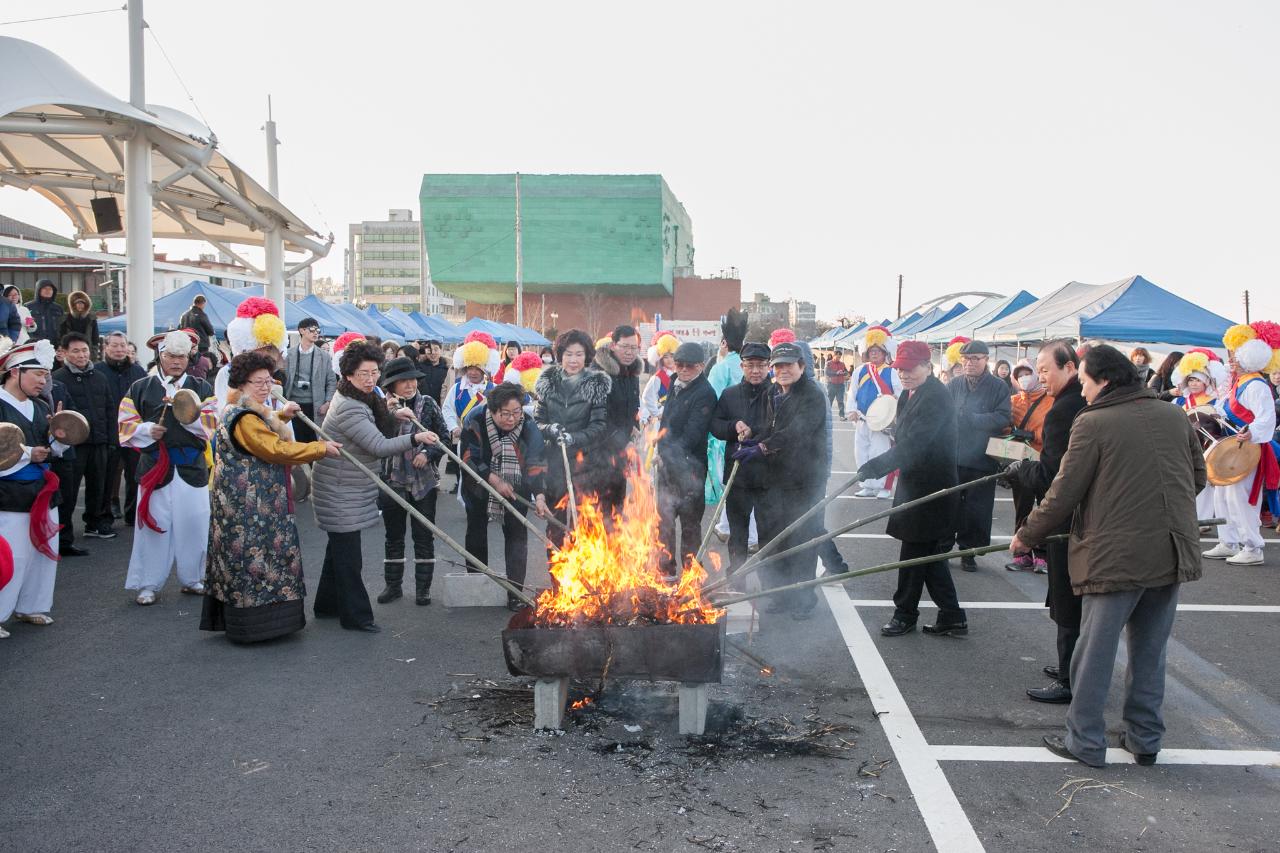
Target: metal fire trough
x: 692, y: 655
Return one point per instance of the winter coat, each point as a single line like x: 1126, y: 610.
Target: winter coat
x: 981, y: 413
x: 120, y: 378
x: 198, y: 321
x: 1028, y: 409
x: 477, y: 452
x: 80, y: 319
x: 437, y: 378
x: 924, y: 454
x: 92, y: 396
x: 581, y: 408
x: 750, y: 404
x: 48, y: 315
x: 682, y: 442
x: 344, y: 497
x: 1036, y: 477
x: 324, y: 381
x: 623, y: 406
x: 10, y: 320
x: 795, y: 439
x: 1132, y: 511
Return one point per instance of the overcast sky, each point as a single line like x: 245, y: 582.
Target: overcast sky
x: 822, y: 149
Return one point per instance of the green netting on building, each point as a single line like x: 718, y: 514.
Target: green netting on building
x: 624, y: 231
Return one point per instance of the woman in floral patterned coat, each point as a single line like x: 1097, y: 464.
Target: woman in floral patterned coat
x: 253, y: 583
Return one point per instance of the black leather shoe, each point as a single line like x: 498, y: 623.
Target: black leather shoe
x: 968, y: 564
x: 1052, y: 672
x: 800, y: 614
x: 1146, y: 759
x: 369, y: 627
x: 955, y: 629
x: 896, y: 628
x: 422, y: 597
x: 1054, y: 744
x: 390, y: 594
x: 1056, y: 693
x: 776, y: 606
x: 515, y: 605
x: 72, y: 551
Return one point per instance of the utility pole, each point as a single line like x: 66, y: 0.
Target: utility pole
x: 273, y: 240
x: 899, y: 295
x: 138, y: 297
x: 519, y: 261
x: 1246, y: 307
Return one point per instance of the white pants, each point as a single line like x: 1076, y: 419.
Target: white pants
x: 723, y: 526
x: 1243, y: 518
x: 31, y: 588
x: 867, y: 445
x: 1205, y: 503
x: 182, y: 512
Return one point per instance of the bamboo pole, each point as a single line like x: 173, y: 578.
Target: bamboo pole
x: 568, y: 479
x: 899, y: 564
x: 763, y: 553
x: 475, y: 475
x: 816, y: 541
x: 550, y: 519
x: 413, y: 512
x: 706, y: 538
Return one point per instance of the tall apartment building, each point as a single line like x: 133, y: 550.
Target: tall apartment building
x: 802, y: 317
x: 386, y: 266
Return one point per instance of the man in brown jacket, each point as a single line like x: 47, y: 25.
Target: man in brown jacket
x: 1127, y: 557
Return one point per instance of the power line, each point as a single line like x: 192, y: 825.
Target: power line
x: 181, y: 82
x: 60, y: 17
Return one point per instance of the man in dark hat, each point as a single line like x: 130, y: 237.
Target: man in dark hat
x: 682, y: 453
x: 742, y: 414
x: 924, y: 454
x: 983, y: 411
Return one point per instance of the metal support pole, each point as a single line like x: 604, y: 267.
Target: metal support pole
x: 138, y: 290
x: 519, y: 261
x: 273, y: 240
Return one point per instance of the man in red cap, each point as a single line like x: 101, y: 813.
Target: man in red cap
x: 925, y: 456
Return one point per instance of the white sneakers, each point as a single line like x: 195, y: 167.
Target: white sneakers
x: 146, y: 597
x: 865, y: 493
x: 194, y: 589
x: 4, y: 635
x: 884, y: 494
x: 1247, y: 557
x: 1221, y: 551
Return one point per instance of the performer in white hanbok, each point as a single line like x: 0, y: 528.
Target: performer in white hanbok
x: 173, y: 472
x: 1201, y: 378
x: 873, y: 378
x: 1250, y: 409
x: 28, y: 489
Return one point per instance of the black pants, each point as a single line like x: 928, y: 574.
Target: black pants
x: 515, y: 536
x: 1064, y: 606
x: 613, y: 491
x: 122, y: 462
x: 686, y: 502
x: 396, y: 520
x: 341, y: 591
x: 89, y: 465
x: 779, y: 509
x: 973, y: 521
x: 738, y: 508
x: 836, y: 393
x: 302, y: 432
x: 932, y: 576
x: 1023, y: 503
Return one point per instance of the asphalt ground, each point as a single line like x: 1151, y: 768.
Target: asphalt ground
x: 126, y: 728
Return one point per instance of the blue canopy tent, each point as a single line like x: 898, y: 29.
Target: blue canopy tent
x: 846, y: 338
x: 904, y: 321
x: 312, y: 306
x: 408, y: 329
x: 387, y: 327
x: 523, y: 336
x: 437, y: 327
x: 220, y: 306
x: 989, y: 310
x: 355, y: 320
x: 933, y: 317
x: 489, y: 327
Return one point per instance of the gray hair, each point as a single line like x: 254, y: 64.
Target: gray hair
x: 109, y: 335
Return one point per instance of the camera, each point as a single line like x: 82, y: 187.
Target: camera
x: 302, y: 384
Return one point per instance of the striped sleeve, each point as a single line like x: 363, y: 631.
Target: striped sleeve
x: 132, y: 430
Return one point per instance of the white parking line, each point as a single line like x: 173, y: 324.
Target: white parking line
x: 1024, y: 754
x: 1034, y: 605
x: 1003, y: 538
x: 943, y: 815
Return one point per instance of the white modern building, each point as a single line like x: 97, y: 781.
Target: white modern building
x: 386, y: 266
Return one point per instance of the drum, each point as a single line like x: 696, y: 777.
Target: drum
x: 186, y: 406
x: 1229, y: 460
x: 881, y: 412
x: 73, y: 426
x: 11, y: 447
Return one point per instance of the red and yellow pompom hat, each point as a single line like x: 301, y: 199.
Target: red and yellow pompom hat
x: 257, y: 324
x: 953, y: 349
x: 879, y: 336
x: 1203, y: 364
x: 781, y: 336
x: 1256, y: 346
x: 663, y: 343
x: 342, y: 342
x: 478, y: 350
x: 524, y: 370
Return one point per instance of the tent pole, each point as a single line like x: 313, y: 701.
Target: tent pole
x: 139, y: 288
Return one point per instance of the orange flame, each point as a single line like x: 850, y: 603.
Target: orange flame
x: 580, y: 704
x: 610, y: 573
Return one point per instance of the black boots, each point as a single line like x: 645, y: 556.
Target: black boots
x: 393, y: 572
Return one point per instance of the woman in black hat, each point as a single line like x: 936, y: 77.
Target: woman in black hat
x: 413, y: 475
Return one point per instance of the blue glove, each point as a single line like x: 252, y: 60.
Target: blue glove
x: 749, y: 451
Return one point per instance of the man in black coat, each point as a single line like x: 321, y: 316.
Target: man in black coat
x: 682, y: 454
x: 198, y: 321
x: 435, y: 369
x: 120, y: 372
x: 924, y: 453
x: 794, y: 447
x: 90, y: 394
x: 621, y: 360
x: 741, y: 414
x: 1058, y: 366
x: 46, y: 311
x: 983, y: 410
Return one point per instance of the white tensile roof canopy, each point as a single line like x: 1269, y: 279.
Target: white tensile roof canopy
x: 63, y: 136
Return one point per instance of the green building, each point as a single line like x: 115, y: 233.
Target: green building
x: 624, y: 234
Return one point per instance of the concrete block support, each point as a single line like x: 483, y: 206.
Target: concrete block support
x: 693, y: 709
x: 549, y: 697
x: 471, y: 589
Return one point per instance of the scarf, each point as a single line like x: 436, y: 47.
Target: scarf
x: 382, y: 417
x: 504, y: 458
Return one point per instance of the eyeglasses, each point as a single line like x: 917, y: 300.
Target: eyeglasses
x: 626, y: 347
x: 367, y: 374
x: 971, y: 359
x: 260, y: 383
x: 507, y: 413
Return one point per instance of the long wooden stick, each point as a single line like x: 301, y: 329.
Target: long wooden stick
x: 760, y: 556
x: 475, y: 475
x: 706, y: 538
x: 550, y: 519
x: 899, y: 564
x: 818, y: 540
x: 417, y: 516
x: 568, y: 479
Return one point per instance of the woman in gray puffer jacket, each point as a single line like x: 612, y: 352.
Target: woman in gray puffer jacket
x: 345, y: 499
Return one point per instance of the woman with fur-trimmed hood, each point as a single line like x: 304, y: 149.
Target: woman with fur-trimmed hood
x: 253, y: 581
x: 572, y: 411
x: 81, y: 319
